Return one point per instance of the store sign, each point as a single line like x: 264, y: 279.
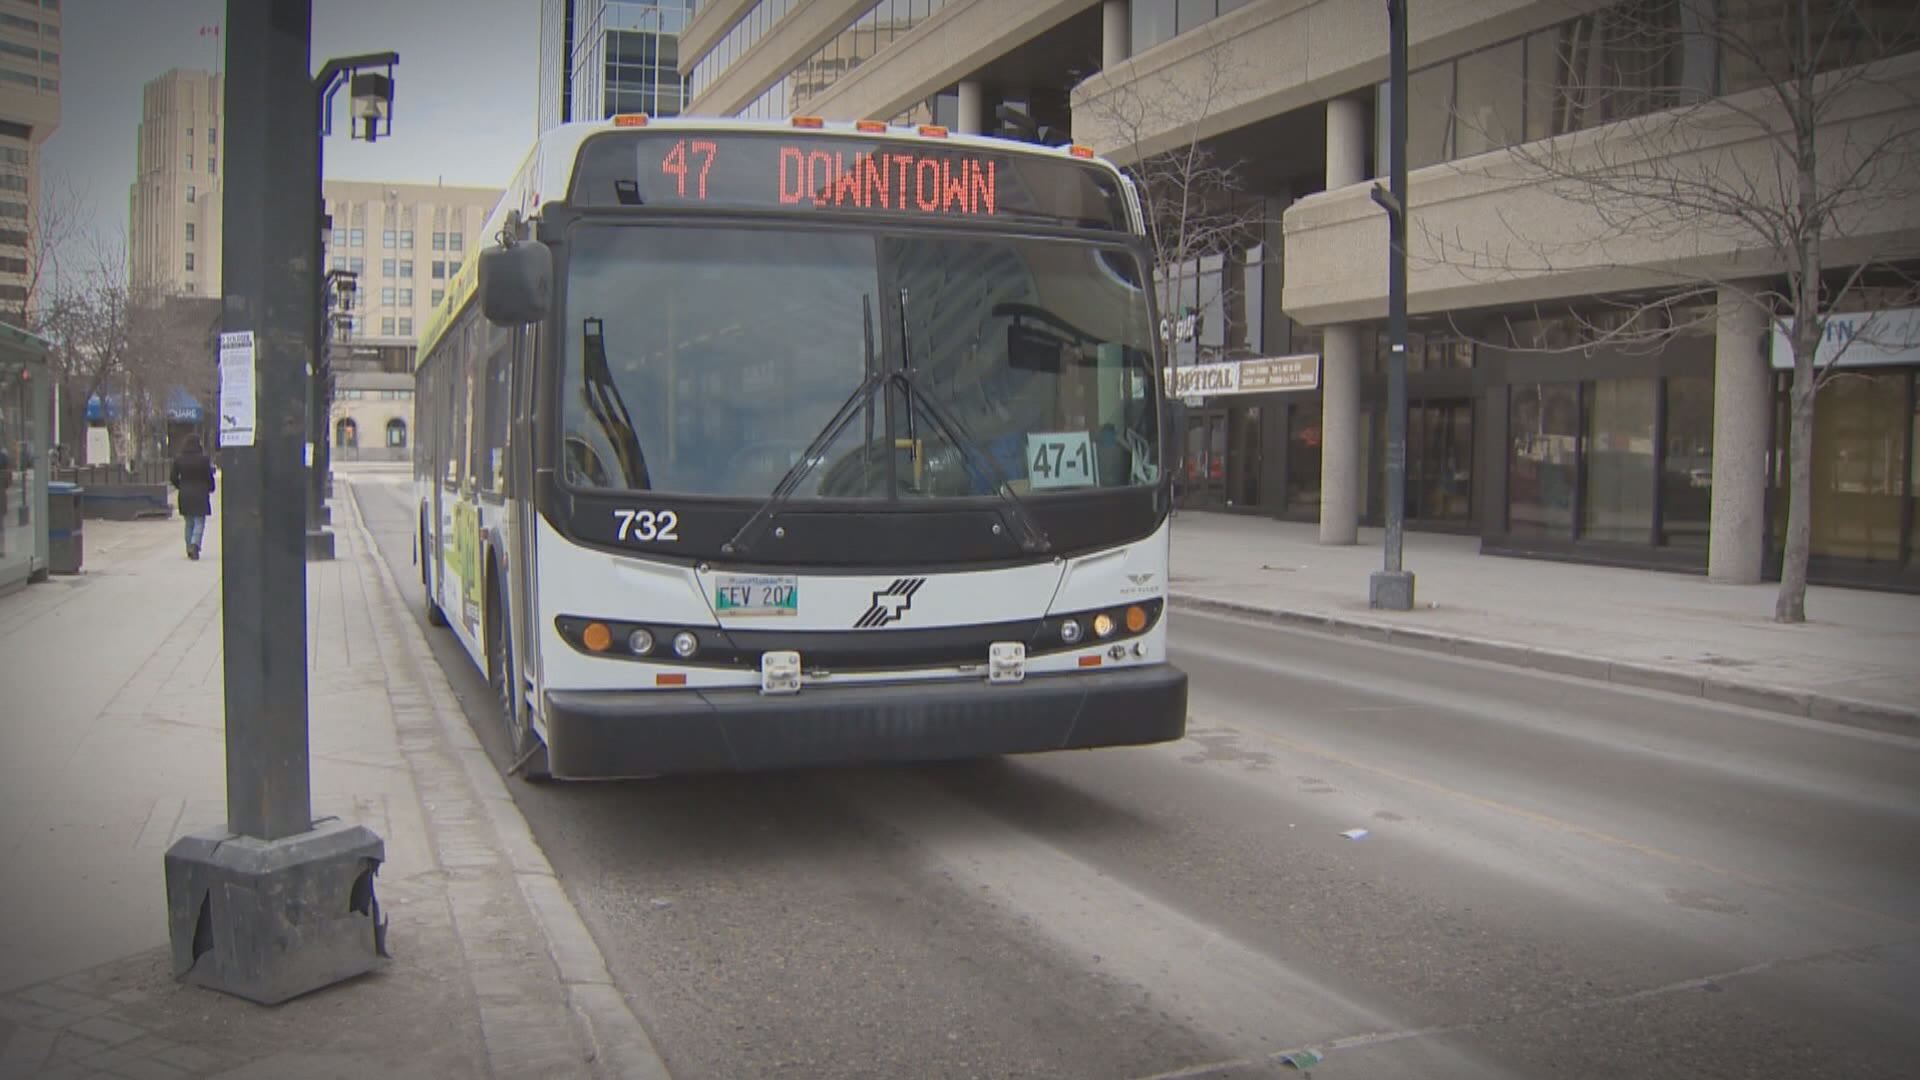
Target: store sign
x: 1864, y: 339
x: 1260, y: 376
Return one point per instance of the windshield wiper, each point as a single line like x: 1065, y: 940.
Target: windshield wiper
x: 816, y: 450
x: 1033, y: 538
x: 609, y: 408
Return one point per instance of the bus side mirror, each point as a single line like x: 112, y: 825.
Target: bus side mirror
x: 516, y: 283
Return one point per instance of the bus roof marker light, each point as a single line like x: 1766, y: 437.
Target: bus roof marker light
x: 871, y: 127
x: 630, y: 120
x: 1080, y: 151
x: 812, y: 122
x: 933, y: 131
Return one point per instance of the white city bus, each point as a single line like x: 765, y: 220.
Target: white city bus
x: 747, y: 446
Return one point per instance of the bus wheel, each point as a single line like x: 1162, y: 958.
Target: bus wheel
x: 435, y: 616
x: 528, y: 752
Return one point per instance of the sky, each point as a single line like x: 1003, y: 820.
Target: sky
x: 465, y: 90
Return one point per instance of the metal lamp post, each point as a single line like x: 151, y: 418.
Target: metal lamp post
x: 372, y: 117
x: 274, y: 904
x: 1391, y: 588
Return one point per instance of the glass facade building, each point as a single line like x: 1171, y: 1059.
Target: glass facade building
x: 599, y: 58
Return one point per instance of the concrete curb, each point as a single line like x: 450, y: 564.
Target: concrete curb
x: 618, y: 1043
x: 1870, y: 715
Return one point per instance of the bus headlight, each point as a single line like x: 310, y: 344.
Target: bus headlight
x: 1070, y: 631
x: 685, y: 644
x: 640, y: 642
x: 1103, y: 625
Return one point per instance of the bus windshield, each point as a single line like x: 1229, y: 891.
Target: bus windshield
x: 707, y: 361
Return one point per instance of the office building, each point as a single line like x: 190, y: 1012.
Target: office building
x: 599, y: 58
x: 29, y: 113
x: 173, y: 211
x: 1536, y: 423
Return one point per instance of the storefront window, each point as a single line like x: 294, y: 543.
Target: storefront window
x: 1303, y: 458
x: 1440, y: 461
x: 1861, y: 460
x: 1543, y: 432
x: 1686, y: 488
x: 1243, y: 465
x: 1618, y: 506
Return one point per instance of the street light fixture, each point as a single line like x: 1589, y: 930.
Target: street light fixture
x: 373, y: 103
x: 369, y: 81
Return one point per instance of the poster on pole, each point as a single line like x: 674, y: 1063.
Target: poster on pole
x: 237, y: 397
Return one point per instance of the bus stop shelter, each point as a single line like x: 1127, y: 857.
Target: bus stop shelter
x: 26, y: 401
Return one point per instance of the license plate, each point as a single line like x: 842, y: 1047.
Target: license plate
x: 756, y: 594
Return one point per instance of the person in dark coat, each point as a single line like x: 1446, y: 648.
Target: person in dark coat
x: 193, y: 478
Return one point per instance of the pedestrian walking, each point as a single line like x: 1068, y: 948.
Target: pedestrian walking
x: 193, y: 478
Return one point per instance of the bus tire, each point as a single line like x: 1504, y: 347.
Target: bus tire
x: 435, y: 616
x: 527, y: 754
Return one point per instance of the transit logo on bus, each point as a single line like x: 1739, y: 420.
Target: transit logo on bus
x: 890, y: 603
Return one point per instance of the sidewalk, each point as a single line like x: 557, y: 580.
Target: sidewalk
x: 1854, y: 662
x: 111, y: 746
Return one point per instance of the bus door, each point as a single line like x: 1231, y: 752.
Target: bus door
x: 522, y: 593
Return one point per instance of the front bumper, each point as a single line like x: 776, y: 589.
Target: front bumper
x: 607, y: 734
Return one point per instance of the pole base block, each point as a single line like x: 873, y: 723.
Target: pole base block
x: 269, y: 920
x: 1390, y: 590
x: 319, y: 545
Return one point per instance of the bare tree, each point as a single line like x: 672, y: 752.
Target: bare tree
x: 1766, y: 150
x: 1195, y: 202
x: 87, y: 317
x: 60, y: 209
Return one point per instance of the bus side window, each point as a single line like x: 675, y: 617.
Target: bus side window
x: 498, y: 344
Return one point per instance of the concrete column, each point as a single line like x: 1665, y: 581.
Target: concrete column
x: 1340, y: 435
x: 1116, y: 34
x: 1742, y: 404
x: 971, y: 120
x: 1346, y: 142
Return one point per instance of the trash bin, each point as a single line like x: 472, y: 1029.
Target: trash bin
x: 64, y: 548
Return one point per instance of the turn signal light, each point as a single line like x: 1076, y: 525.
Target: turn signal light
x: 1136, y: 619
x: 596, y: 637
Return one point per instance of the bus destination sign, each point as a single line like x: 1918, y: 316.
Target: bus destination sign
x: 892, y: 176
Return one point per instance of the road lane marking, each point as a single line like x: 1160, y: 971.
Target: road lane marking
x: 1379, y: 1038
x: 1199, y: 977
x: 1548, y: 821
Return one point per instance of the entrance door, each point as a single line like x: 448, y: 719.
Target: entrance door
x: 1204, y: 468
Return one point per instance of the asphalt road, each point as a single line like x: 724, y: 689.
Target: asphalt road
x: 1560, y: 878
